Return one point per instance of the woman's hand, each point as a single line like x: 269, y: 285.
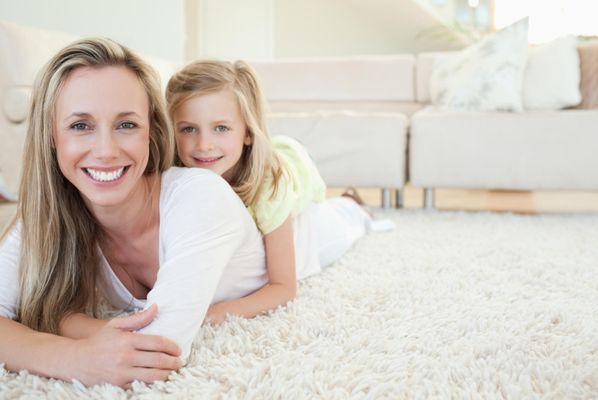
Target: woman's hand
x: 119, y: 356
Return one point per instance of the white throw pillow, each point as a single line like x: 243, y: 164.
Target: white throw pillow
x: 552, y: 76
x: 487, y: 76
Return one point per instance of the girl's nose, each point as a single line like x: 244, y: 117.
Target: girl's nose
x: 204, y: 143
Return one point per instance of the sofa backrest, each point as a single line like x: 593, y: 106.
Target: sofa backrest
x: 23, y: 52
x: 364, y: 78
x: 424, y: 67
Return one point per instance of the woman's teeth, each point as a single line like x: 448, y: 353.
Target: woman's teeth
x: 102, y: 176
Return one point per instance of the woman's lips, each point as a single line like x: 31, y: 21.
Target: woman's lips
x: 106, y: 177
x: 206, y: 161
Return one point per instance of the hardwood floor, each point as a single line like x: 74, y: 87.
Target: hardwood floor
x: 490, y: 200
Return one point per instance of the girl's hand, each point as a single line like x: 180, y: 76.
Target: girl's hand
x: 119, y: 356
x: 216, y: 314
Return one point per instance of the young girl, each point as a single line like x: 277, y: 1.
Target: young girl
x: 219, y: 121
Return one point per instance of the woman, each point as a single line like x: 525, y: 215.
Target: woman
x: 100, y: 208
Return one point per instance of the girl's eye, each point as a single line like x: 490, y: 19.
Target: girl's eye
x: 79, y: 126
x: 221, y: 128
x: 188, y: 129
x: 127, y: 125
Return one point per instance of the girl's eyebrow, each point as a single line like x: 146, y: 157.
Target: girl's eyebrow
x: 184, y: 123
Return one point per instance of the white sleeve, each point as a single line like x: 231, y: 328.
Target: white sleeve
x: 203, y: 225
x: 9, y: 273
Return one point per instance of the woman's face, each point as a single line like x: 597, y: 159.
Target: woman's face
x: 101, y: 133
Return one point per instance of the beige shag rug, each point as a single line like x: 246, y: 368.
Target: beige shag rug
x: 449, y: 305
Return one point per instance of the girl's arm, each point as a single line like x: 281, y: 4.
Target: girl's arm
x: 282, y: 285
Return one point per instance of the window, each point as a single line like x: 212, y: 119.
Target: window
x: 549, y: 19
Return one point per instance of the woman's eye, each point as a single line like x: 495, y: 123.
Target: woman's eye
x: 79, y: 126
x: 221, y: 128
x: 188, y: 129
x: 127, y: 125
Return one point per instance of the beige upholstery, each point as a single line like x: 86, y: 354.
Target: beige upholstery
x: 350, y: 148
x: 357, y: 106
x: 531, y: 150
x: 23, y: 51
x: 367, y: 78
x: 7, y: 211
x: 423, y: 71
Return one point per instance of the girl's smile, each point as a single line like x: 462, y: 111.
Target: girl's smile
x: 211, y: 132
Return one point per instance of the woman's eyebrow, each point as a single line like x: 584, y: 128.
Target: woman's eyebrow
x: 87, y: 115
x: 127, y: 113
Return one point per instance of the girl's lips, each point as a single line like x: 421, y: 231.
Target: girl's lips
x: 206, y: 160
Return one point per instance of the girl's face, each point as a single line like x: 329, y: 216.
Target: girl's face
x: 101, y: 133
x: 211, y: 132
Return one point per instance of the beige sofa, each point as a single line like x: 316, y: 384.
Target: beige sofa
x: 552, y: 150
x: 366, y: 121
x: 351, y: 113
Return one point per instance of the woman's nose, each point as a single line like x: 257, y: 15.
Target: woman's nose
x: 106, y: 146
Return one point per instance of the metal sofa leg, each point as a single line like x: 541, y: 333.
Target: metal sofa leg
x: 398, y: 198
x: 385, y: 198
x: 429, y: 199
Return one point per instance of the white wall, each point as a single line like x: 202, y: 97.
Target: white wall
x: 234, y: 29
x: 265, y: 29
x: 306, y: 28
x: 151, y: 27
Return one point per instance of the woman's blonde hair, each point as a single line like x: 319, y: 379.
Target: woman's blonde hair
x: 59, y: 260
x: 258, y: 160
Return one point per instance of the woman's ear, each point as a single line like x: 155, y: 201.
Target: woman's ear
x: 248, y: 141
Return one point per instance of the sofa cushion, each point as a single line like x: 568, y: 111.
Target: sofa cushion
x: 588, y: 54
x: 350, y: 148
x: 424, y: 68
x: 15, y: 103
x: 366, y: 78
x: 486, y: 76
x: 527, y: 151
x: 23, y: 51
x: 556, y: 62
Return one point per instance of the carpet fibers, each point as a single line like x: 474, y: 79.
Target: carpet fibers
x: 449, y: 305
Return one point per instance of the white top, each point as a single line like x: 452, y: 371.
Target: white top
x: 209, y: 251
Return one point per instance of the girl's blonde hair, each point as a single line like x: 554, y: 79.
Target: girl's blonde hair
x: 258, y: 160
x: 59, y: 260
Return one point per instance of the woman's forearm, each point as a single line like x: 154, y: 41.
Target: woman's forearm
x: 80, y: 326
x: 267, y: 298
x: 39, y: 353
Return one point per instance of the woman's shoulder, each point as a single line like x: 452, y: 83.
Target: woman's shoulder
x: 192, y: 185
x: 176, y: 178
